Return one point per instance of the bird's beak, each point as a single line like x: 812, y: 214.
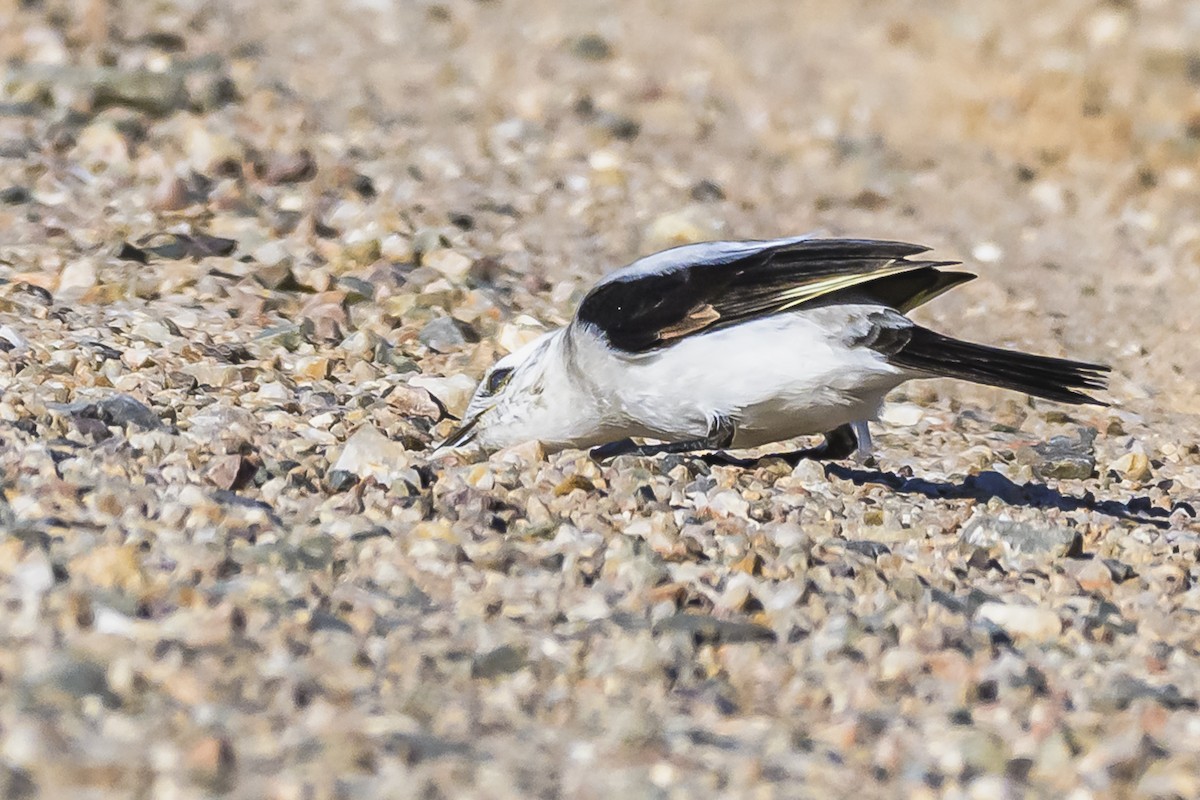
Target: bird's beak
x: 464, y: 434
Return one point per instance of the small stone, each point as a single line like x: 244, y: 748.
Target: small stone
x: 111, y: 567
x: 212, y: 762
x: 177, y: 379
x: 677, y: 228
x: 171, y: 194
x: 454, y: 392
x: 618, y: 126
x: 504, y: 660
x: 76, y: 279
x: 370, y: 454
x: 450, y: 263
x: 339, y: 480
x: 360, y: 343
x: 289, y: 168
x: 513, y: 336
x: 608, y: 169
x: 208, y: 151
x: 388, y: 356
x: 229, y: 472
x: 312, y: 367
x: 1119, y: 570
x: 899, y: 663
x: 273, y: 392
x: 987, y: 252
x: 119, y: 410
x: 706, y: 191
x: 1123, y: 690
x: 447, y: 334
x: 1062, y: 457
x: 1030, y: 622
x: 571, y: 483
x: 592, y: 47
x: 867, y: 548
x: 729, y: 503
x: 17, y: 783
x: 153, y: 331
x: 1133, y: 466
x: 361, y: 253
x: 213, y: 90
x: 1094, y: 576
x: 1020, y: 537
x: 80, y: 678
x: 461, y: 220
x: 324, y: 621
x: 522, y: 454
x: 717, y: 631
x: 217, y: 376
x: 15, y: 195
x: 427, y: 241
x: 155, y: 93
x: 412, y: 401
x: 13, y: 340
x: 271, y: 253
x: 397, y: 248
x: 902, y: 415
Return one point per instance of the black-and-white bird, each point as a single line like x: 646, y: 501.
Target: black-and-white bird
x: 741, y: 344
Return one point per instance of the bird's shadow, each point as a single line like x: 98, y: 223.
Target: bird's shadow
x: 986, y: 485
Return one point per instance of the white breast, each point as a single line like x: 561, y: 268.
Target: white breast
x: 778, y: 377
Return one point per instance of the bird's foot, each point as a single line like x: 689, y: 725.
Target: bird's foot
x: 720, y: 435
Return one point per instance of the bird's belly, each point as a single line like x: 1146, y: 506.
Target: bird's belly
x: 775, y: 378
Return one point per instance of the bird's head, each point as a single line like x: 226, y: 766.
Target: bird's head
x: 518, y: 399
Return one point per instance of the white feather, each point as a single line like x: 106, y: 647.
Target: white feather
x: 775, y: 378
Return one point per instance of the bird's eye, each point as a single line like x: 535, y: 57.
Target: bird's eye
x: 495, y: 382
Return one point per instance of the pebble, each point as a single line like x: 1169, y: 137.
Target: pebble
x: 513, y: 336
x: 15, y: 195
x: 454, y: 392
x: 677, y: 228
x: 1020, y: 537
x: 592, y: 47
x: 446, y: 334
x: 901, y: 414
x: 76, y: 279
x: 312, y: 367
x: 707, y: 629
x: 1021, y: 621
x: 155, y: 93
x: 120, y: 410
x: 368, y: 453
x: 504, y: 660
x: 728, y: 503
x: 450, y: 263
x: 1133, y: 466
x: 13, y: 339
x: 1063, y: 457
x: 1094, y: 576
x: 987, y: 252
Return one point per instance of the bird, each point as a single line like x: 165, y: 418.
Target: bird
x: 725, y: 345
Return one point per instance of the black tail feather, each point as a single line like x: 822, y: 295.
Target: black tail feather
x: 1041, y: 376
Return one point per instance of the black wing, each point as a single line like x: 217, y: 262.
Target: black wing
x: 697, y: 288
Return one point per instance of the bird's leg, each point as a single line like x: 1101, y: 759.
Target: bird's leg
x: 865, y: 454
x: 719, y: 435
x: 840, y: 443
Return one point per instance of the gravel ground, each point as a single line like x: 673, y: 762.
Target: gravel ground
x: 233, y: 246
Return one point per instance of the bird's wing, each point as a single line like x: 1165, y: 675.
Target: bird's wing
x: 696, y: 288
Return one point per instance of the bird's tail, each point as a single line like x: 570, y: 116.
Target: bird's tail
x: 1041, y: 376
